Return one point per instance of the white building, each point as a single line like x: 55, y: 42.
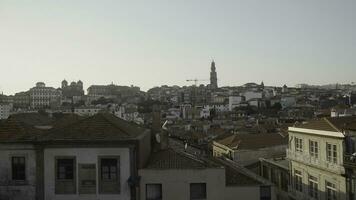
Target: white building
x: 5, y: 110
x: 92, y: 158
x: 288, y: 101
x: 234, y: 102
x: 44, y: 97
x: 252, y: 95
x: 87, y: 111
x: 316, y: 154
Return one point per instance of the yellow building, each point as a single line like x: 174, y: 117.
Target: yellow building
x: 316, y: 154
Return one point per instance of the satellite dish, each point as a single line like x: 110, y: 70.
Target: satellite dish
x: 158, y: 138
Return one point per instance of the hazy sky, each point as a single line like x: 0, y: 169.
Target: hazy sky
x: 151, y: 43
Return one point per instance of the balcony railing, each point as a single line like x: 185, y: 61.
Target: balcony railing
x: 349, y: 160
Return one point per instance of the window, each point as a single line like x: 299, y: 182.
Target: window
x: 265, y: 173
x: 265, y: 193
x: 284, y: 181
x: 109, y: 175
x: 108, y: 169
x: 330, y: 191
x: 298, y: 145
x: 18, y: 168
x: 65, y: 169
x: 153, y: 191
x: 331, y: 153
x: 274, y: 178
x: 313, y: 187
x: 313, y: 148
x: 197, y: 191
x: 298, y: 180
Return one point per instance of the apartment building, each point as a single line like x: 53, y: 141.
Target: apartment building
x: 316, y: 153
x: 5, y: 110
x: 44, y: 97
x: 75, y: 158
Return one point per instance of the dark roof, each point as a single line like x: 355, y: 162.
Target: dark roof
x: 103, y: 127
x: 234, y: 176
x: 171, y: 159
x: 254, y: 141
x: 334, y: 124
x: 15, y: 130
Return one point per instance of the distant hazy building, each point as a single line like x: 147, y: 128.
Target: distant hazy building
x: 213, y: 76
x: 72, y: 90
x: 111, y: 91
x: 22, y: 100
x: 234, y: 102
x: 44, y: 97
x: 5, y: 110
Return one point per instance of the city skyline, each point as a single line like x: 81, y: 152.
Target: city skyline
x: 167, y: 43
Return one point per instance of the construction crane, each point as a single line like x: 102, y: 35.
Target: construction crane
x: 196, y: 80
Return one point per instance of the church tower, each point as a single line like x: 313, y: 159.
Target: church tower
x: 213, y: 76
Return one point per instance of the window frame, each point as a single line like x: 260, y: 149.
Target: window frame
x: 195, y: 198
x: 12, y: 168
x: 332, y: 158
x: 298, y: 144
x: 298, y: 180
x: 313, y: 148
x: 161, y: 190
x: 332, y: 188
x: 101, y: 181
x: 313, y: 186
x: 59, y: 182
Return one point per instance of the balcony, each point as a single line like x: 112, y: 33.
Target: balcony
x: 306, y: 159
x: 349, y: 161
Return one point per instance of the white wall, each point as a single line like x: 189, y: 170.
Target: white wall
x: 86, y: 156
x: 8, y: 188
x: 234, y: 102
x: 252, y: 95
x: 176, y: 183
x: 242, y: 192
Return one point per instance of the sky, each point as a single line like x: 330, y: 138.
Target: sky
x: 160, y: 42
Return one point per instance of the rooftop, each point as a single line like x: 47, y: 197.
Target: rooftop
x: 172, y: 159
x: 333, y: 124
x: 35, y: 127
x: 254, y: 141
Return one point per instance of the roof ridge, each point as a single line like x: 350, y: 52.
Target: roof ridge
x: 112, y: 123
x: 331, y: 124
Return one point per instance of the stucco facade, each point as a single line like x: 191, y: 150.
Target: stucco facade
x: 86, y: 156
x: 176, y: 182
x: 305, y: 163
x: 17, y: 190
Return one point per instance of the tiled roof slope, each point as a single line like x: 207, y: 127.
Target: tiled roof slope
x: 334, y: 124
x: 14, y: 130
x: 171, y: 159
x: 254, y: 141
x: 101, y: 126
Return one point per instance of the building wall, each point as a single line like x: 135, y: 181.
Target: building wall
x: 5, y: 111
x: 242, y: 192
x: 317, y: 167
x: 247, y: 156
x: 11, y: 190
x: 176, y: 183
x: 86, y: 156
